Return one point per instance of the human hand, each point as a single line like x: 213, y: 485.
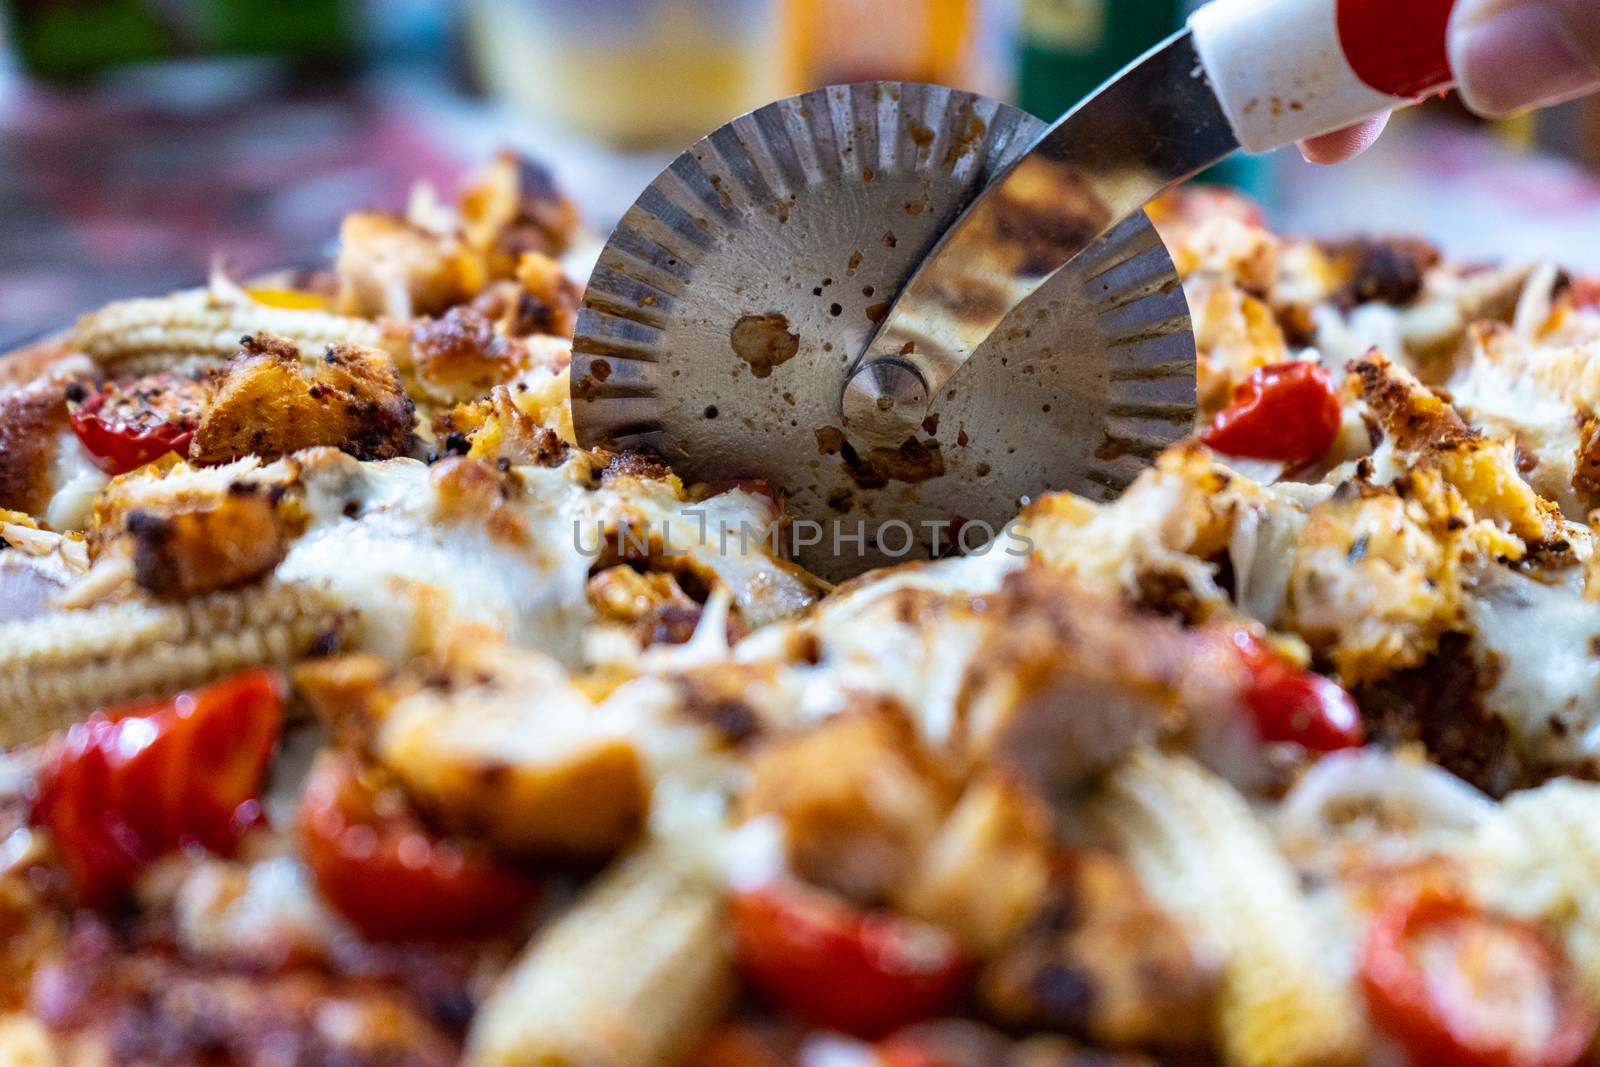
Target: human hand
x: 1508, y: 55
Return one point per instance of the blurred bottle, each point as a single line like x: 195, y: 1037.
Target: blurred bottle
x: 1069, y: 48
x: 830, y: 42
x: 636, y: 73
x: 71, y: 39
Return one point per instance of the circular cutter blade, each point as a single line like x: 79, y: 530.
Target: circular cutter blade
x: 730, y: 302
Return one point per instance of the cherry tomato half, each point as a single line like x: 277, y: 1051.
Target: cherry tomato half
x: 1287, y: 412
x: 121, y: 432
x: 134, y: 782
x: 1455, y: 985
x: 1291, y: 704
x: 387, y: 874
x: 834, y: 965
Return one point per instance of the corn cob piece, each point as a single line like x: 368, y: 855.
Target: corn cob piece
x: 1203, y: 854
x: 56, y: 668
x: 632, y: 976
x: 186, y: 325
x: 1538, y: 858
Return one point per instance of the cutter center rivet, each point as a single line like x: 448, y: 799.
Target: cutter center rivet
x: 884, y: 401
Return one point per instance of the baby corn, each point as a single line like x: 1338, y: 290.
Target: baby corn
x: 1538, y: 858
x: 1203, y: 854
x: 188, y: 325
x: 632, y: 976
x: 57, y: 668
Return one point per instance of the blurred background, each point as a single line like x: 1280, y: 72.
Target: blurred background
x: 141, y: 138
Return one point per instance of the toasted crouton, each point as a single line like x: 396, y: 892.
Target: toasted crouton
x: 547, y: 300
x: 859, y: 798
x: 461, y: 356
x: 1483, y: 471
x: 512, y: 206
x: 262, y: 404
x: 231, y: 543
x: 1372, y: 589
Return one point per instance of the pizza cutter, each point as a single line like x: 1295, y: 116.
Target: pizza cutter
x: 912, y: 309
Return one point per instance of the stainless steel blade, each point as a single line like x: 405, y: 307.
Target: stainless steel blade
x: 728, y: 306
x: 1150, y: 127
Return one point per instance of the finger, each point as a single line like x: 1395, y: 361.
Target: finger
x: 1510, y: 55
x: 1340, y: 145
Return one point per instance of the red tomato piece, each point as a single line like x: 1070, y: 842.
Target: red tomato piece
x: 134, y: 782
x: 1454, y: 985
x: 1287, y: 412
x: 120, y: 436
x: 1290, y: 704
x: 834, y: 965
x: 384, y: 871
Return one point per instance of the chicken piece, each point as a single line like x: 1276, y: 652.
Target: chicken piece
x: 261, y: 403
x: 523, y: 761
x: 1067, y: 681
x: 1101, y: 960
x: 33, y: 419
x: 859, y: 798
x: 192, y: 552
x: 986, y: 872
x: 388, y: 266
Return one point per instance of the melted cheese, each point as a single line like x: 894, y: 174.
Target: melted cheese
x: 1541, y: 644
x: 1262, y: 548
x: 76, y: 480
x: 378, y: 541
x: 253, y: 912
x: 1536, y: 395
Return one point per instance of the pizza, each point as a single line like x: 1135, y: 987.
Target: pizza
x: 355, y: 715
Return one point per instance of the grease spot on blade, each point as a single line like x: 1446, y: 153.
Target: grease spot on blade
x: 764, y: 341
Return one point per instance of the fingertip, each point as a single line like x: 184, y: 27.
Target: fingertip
x: 1342, y: 145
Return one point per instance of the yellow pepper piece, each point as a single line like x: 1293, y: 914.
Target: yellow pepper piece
x: 292, y: 299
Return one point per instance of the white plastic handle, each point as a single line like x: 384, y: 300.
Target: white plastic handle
x: 1286, y: 70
